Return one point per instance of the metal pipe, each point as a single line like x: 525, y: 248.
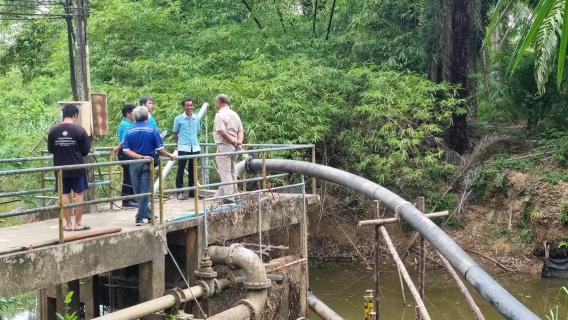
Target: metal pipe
x: 60, y: 203
x: 321, y: 309
x: 377, y: 256
x: 161, y: 193
x: 153, y: 193
x: 73, y: 166
x: 495, y: 294
x: 275, y: 277
x: 236, y: 256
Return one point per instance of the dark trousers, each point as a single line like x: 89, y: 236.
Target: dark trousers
x: 181, y: 167
x: 126, y: 181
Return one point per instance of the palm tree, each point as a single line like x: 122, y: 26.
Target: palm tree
x: 546, y: 32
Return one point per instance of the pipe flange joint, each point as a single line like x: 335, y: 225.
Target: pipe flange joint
x: 232, y: 280
x: 205, y: 287
x: 257, y: 285
x: 232, y: 250
x: 248, y: 170
x: 253, y: 310
x: 178, y: 295
x: 217, y: 286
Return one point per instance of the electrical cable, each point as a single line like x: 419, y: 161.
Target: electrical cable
x: 183, y: 277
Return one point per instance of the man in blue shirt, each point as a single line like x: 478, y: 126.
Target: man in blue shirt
x: 141, y: 142
x: 123, y: 127
x: 186, y: 127
x: 148, y: 102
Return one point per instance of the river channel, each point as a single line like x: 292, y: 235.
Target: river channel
x: 342, y: 286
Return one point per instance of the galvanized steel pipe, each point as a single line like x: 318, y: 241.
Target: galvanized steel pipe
x: 159, y: 304
x: 321, y: 309
x: 497, y: 296
x: 237, y: 256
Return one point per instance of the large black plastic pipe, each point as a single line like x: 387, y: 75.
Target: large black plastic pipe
x: 497, y: 296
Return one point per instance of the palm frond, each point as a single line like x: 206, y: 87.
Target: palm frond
x: 546, y: 44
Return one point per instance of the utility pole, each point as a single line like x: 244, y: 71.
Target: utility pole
x: 80, y: 31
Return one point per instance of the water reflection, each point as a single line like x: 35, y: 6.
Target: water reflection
x: 342, y: 287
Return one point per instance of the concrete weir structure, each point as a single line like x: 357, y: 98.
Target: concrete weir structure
x: 117, y: 270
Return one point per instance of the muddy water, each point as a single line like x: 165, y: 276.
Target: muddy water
x: 342, y: 287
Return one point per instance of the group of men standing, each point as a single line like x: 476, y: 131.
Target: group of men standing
x: 139, y: 141
x: 139, y: 138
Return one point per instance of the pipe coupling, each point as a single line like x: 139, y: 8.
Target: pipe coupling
x: 251, y: 306
x: 257, y: 285
x: 232, y: 249
x: 217, y: 286
x: 205, y: 287
x: 247, y: 166
x: 180, y: 297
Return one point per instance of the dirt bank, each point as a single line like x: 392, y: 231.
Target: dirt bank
x: 504, y: 228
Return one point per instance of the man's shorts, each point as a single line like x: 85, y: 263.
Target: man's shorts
x: 77, y: 184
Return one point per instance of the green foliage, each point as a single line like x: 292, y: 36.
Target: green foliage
x: 563, y: 215
x: 526, y: 235
x: 67, y: 316
x: 6, y: 303
x: 391, y: 135
x: 554, y: 311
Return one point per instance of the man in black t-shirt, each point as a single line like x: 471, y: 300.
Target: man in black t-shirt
x: 69, y: 143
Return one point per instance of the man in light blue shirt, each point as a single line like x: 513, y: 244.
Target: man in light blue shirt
x: 123, y: 127
x: 186, y: 127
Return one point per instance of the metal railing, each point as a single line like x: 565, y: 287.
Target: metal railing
x: 260, y: 149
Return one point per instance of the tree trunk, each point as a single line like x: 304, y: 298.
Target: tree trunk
x: 456, y: 135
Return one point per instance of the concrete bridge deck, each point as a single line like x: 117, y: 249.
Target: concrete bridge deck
x: 47, y: 266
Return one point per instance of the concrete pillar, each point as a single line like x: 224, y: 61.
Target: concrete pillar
x: 152, y: 281
x: 87, y: 297
x: 192, y: 253
x: 152, y: 278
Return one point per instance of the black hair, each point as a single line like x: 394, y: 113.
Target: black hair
x: 185, y: 100
x: 127, y: 109
x: 69, y: 110
x: 145, y: 99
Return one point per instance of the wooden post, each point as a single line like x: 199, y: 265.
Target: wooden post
x: 402, y: 270
x: 377, y: 251
x: 422, y: 263
x: 463, y: 288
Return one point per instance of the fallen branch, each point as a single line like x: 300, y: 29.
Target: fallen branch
x: 490, y: 259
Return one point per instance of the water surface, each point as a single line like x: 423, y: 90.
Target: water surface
x: 342, y: 287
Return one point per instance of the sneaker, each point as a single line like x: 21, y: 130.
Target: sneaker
x: 180, y: 196
x: 129, y: 204
x: 139, y: 222
x: 156, y: 219
x: 227, y: 201
x: 191, y: 195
